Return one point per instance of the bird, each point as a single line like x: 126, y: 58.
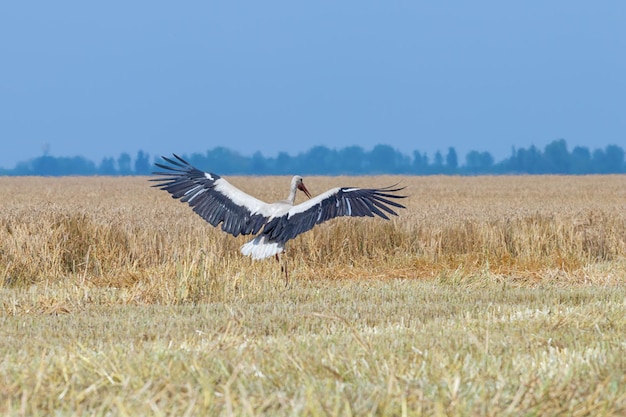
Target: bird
x: 273, y: 224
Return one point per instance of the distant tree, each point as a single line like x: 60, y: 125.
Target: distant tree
x: 614, y: 159
x: 403, y: 163
x: 580, y: 160
x: 283, y: 163
x: 486, y: 161
x: 259, y: 163
x: 22, y: 168
x: 556, y: 157
x: 77, y: 165
x: 46, y: 165
x: 598, y: 162
x: 53, y: 166
x: 452, y: 160
x: 123, y: 164
x: 319, y: 160
x: 107, y: 167
x: 438, y: 163
x: 525, y: 161
x: 420, y: 162
x: 382, y: 159
x: 478, y: 162
x: 608, y: 160
x: 222, y: 160
x: 142, y: 163
x: 352, y: 160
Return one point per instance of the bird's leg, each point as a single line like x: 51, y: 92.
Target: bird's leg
x: 283, y: 267
x: 286, y: 273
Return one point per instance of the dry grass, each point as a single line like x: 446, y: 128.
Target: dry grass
x: 488, y: 295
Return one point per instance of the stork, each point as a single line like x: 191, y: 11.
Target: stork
x: 217, y: 201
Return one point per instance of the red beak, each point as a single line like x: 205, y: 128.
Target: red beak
x: 302, y: 188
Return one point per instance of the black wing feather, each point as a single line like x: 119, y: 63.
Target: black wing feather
x: 191, y: 185
x: 346, y: 201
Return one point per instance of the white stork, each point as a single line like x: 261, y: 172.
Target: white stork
x: 217, y: 201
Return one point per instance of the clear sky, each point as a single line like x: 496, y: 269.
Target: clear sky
x: 100, y: 78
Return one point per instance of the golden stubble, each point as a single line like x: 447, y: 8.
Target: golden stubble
x: 120, y: 232
x: 486, y: 296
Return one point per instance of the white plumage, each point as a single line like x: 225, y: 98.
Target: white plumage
x: 261, y: 248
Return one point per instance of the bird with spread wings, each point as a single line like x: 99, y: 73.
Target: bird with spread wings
x: 219, y: 202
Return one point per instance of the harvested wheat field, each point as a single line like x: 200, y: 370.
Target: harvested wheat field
x: 486, y: 296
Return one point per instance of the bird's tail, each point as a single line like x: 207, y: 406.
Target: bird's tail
x: 260, y: 248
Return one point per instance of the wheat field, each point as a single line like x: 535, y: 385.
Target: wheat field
x: 486, y: 296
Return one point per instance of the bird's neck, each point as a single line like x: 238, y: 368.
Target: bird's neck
x: 292, y: 195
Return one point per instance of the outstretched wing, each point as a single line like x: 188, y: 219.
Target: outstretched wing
x: 212, y: 197
x: 347, y: 201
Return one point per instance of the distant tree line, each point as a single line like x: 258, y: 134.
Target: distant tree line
x: 352, y: 160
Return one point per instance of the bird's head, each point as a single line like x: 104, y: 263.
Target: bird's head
x: 300, y: 185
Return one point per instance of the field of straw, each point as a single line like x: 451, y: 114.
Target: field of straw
x: 486, y: 296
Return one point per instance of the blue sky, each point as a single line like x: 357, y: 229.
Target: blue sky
x: 98, y: 79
